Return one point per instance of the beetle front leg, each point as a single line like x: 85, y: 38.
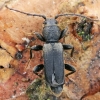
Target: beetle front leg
x: 63, y: 33
x: 67, y: 47
x: 39, y: 36
x: 37, y: 69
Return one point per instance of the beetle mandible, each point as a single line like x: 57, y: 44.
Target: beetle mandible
x: 53, y: 51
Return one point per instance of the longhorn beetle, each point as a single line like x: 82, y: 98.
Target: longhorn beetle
x: 53, y: 51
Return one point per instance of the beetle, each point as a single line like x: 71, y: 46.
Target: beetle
x: 52, y: 51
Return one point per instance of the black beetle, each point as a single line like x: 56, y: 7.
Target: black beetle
x: 52, y: 51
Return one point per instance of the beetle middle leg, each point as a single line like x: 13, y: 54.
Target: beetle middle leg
x: 67, y: 47
x: 35, y: 48
x: 37, y: 69
x: 19, y: 55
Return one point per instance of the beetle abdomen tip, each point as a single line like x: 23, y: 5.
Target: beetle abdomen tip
x: 58, y: 89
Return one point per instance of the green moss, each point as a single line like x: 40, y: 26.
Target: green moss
x: 38, y: 90
x: 84, y: 29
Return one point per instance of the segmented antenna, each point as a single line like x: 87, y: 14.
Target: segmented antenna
x: 72, y: 14
x: 26, y: 13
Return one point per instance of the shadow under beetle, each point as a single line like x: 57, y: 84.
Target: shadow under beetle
x: 53, y: 51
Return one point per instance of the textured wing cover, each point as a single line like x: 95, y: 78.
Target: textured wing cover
x: 53, y: 63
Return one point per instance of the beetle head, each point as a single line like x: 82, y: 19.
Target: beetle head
x: 50, y: 22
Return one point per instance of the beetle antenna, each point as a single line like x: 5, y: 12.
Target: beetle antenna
x: 72, y: 14
x: 26, y: 13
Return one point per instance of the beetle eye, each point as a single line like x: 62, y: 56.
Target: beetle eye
x: 44, y: 22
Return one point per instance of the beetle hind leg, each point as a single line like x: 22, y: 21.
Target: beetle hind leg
x: 37, y: 69
x: 70, y: 68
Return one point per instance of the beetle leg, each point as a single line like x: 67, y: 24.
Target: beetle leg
x: 66, y: 47
x: 38, y: 68
x: 37, y: 47
x: 70, y: 68
x: 40, y: 37
x: 30, y: 54
x: 63, y: 33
